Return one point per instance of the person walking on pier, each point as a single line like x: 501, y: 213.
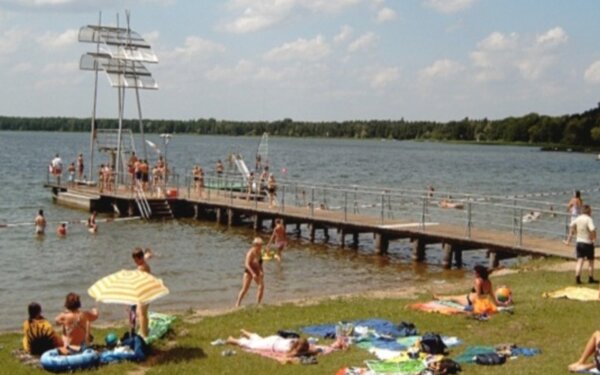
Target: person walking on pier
x: 279, y: 238
x: 253, y: 270
x: 583, y: 227
x: 40, y: 223
x: 80, y: 167
x: 57, y: 166
x: 272, y: 190
x: 250, y: 186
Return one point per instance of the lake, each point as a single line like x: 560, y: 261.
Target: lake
x: 202, y: 263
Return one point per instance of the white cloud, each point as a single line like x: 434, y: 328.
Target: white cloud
x: 497, y: 41
x: 308, y: 50
x: 343, y: 35
x: 385, y: 15
x: 383, y: 77
x: 11, y: 40
x: 500, y: 56
x: 363, y: 42
x: 443, y: 69
x: 592, y: 73
x: 195, y: 46
x: 241, y: 72
x: 261, y: 14
x: 22, y: 67
x: 449, y: 6
x: 151, y: 37
x: 62, y: 68
x: 52, y: 40
x: 552, y: 37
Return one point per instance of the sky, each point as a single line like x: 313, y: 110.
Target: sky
x: 312, y: 60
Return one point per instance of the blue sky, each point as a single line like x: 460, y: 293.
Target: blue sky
x: 314, y: 60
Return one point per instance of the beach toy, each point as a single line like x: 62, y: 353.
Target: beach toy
x: 503, y: 294
x: 53, y: 361
x: 111, y: 339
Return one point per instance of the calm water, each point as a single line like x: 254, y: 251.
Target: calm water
x: 202, y: 263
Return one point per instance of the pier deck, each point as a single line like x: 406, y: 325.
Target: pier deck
x: 415, y: 217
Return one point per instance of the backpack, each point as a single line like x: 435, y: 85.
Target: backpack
x: 443, y: 367
x: 431, y: 343
x: 137, y: 344
x: 489, y: 359
x: 406, y: 329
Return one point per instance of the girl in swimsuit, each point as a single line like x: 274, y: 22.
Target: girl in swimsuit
x: 253, y: 271
x: 75, y: 323
x: 482, y: 290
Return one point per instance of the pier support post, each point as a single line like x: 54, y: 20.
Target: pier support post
x: 381, y: 243
x: 196, y: 212
x: 229, y: 217
x: 312, y: 233
x: 298, y: 230
x: 355, y: 240
x: 458, y: 252
x: 418, y: 249
x: 341, y: 238
x: 447, y: 255
x: 218, y: 213
x: 494, y: 259
x: 326, y: 234
x: 256, y: 223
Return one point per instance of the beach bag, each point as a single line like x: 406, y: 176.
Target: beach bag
x: 137, y: 344
x: 431, y: 343
x: 443, y: 367
x: 407, y: 329
x: 489, y: 359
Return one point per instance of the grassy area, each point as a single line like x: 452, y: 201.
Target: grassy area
x: 559, y: 328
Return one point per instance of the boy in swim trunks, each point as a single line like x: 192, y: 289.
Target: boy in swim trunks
x: 253, y: 271
x: 279, y: 237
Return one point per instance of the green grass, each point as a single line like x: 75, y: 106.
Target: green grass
x: 559, y: 328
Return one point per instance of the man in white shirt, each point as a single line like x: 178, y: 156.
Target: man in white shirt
x: 583, y: 227
x: 57, y: 166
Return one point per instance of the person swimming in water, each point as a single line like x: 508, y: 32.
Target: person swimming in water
x: 253, y: 270
x: 40, y: 223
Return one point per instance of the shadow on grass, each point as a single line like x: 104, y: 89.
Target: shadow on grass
x: 177, y: 354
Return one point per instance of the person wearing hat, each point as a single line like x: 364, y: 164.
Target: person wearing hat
x: 253, y: 271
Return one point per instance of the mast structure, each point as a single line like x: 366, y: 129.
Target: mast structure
x: 121, y: 53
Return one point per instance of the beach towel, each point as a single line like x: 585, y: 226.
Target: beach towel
x: 354, y: 371
x: 468, y: 356
x: 575, y: 293
x: 158, y: 326
x: 413, y: 366
x: 441, y: 307
x: 380, y: 326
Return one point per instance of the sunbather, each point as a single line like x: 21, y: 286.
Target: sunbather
x: 590, y: 349
x: 291, y: 348
x: 75, y: 323
x: 481, y: 298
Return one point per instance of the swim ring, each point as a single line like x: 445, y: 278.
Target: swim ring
x: 53, y: 361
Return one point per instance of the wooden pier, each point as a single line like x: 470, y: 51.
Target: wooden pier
x: 396, y: 215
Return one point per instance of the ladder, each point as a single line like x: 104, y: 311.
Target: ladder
x: 141, y: 201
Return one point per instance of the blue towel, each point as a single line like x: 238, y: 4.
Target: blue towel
x: 381, y: 326
x: 525, y: 352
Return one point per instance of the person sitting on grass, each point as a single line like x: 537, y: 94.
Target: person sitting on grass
x: 38, y: 334
x: 591, y: 349
x: 481, y: 298
x: 75, y: 323
x: 290, y: 348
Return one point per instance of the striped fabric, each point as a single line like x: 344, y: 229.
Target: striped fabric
x: 128, y: 287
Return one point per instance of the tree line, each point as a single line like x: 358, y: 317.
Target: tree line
x: 581, y: 130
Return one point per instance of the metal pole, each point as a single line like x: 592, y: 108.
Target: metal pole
x: 345, y: 206
x: 423, y: 212
x: 469, y: 219
x: 382, y: 208
x: 282, y: 198
x: 312, y: 201
x: 521, y: 228
x: 93, y: 124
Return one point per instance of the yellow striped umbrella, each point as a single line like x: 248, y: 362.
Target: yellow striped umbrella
x: 128, y: 287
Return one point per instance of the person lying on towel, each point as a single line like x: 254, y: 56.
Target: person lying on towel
x: 290, y: 348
